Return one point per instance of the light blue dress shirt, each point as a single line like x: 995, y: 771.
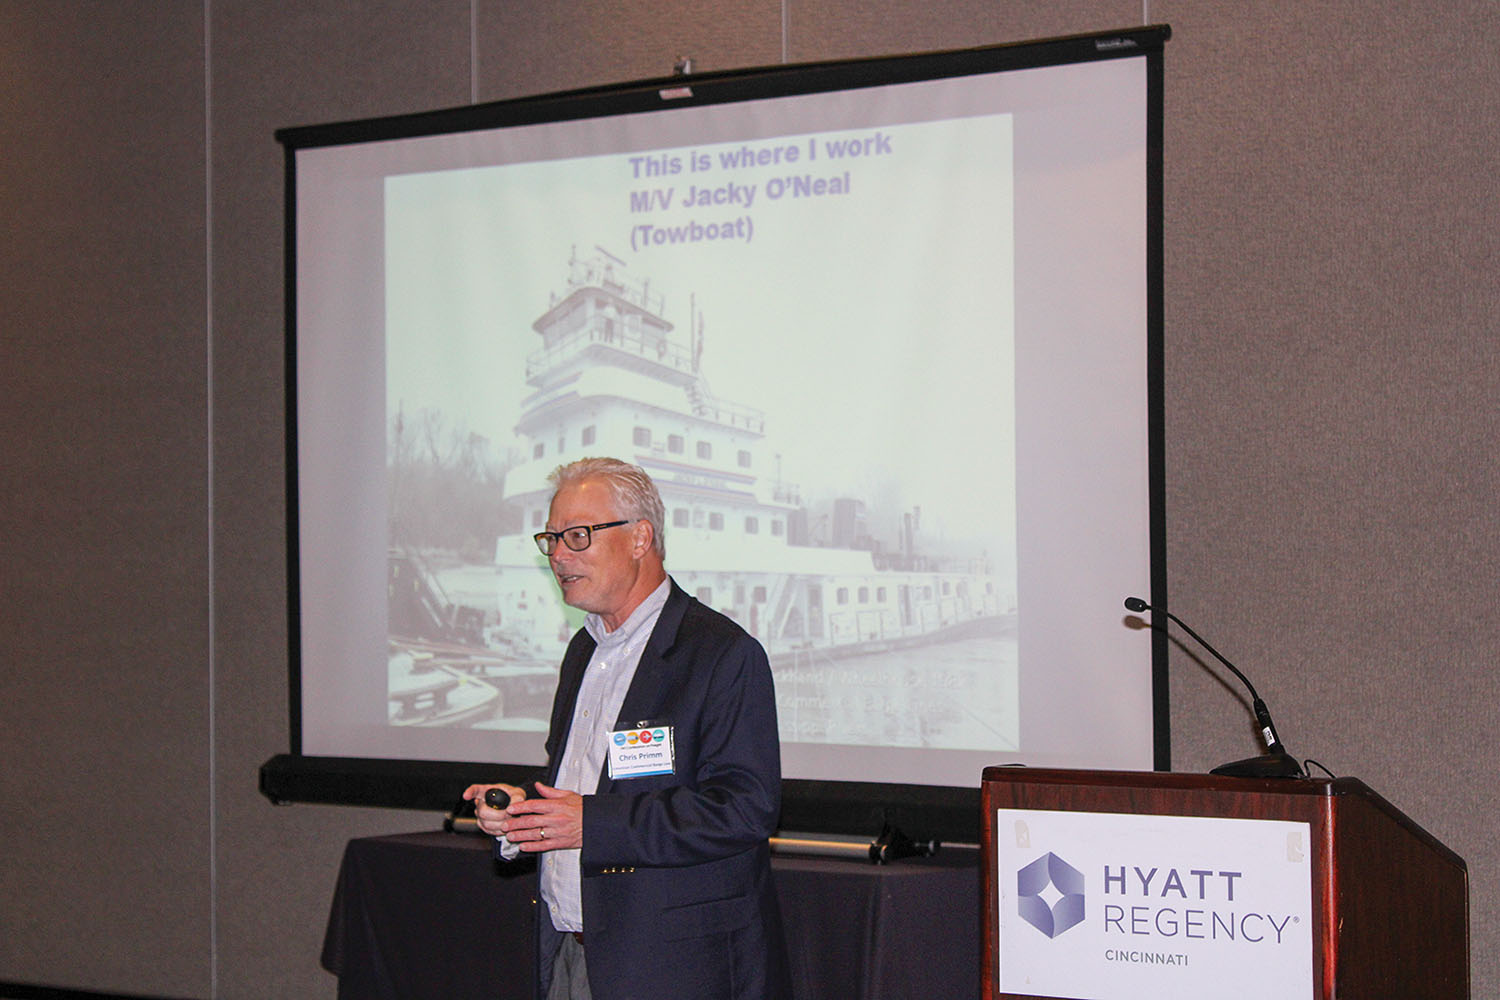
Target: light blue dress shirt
x: 605, y: 682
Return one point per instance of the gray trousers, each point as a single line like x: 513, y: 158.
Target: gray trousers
x: 570, y: 977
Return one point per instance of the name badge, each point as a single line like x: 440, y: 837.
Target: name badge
x: 635, y: 753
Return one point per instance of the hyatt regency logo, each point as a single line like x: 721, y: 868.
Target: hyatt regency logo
x: 1033, y: 880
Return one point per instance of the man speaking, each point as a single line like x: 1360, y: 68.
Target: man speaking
x: 663, y: 778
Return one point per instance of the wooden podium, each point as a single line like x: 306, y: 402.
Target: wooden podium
x: 1389, y: 904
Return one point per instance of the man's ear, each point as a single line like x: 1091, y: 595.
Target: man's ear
x: 642, y: 538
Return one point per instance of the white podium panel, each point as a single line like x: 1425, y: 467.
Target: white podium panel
x: 1112, y: 906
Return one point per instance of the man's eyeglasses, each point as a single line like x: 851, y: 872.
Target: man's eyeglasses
x: 576, y: 538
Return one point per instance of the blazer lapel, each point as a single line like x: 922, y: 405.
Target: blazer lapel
x: 654, y: 672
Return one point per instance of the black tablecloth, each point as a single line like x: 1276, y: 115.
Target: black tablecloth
x: 432, y: 915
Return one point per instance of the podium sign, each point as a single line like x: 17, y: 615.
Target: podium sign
x: 1111, y: 906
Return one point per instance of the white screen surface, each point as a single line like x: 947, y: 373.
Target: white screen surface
x: 895, y: 400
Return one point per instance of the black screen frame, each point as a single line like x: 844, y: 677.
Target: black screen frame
x: 835, y: 807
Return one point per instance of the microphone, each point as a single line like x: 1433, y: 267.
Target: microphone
x: 1275, y: 762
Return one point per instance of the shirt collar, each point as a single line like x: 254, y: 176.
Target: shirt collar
x: 643, y: 616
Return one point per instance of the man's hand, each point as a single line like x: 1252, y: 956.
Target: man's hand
x: 553, y: 822
x: 492, y: 820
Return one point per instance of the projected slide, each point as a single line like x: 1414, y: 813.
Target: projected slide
x: 883, y: 346
x: 807, y: 340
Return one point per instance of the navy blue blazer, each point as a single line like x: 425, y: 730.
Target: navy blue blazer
x: 678, y: 901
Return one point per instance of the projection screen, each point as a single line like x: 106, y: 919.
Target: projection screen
x: 887, y: 335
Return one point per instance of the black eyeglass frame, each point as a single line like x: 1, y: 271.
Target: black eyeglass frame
x: 547, y: 541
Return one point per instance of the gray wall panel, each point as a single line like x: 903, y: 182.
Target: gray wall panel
x: 104, y: 516
x: 837, y: 29
x: 537, y: 48
x: 277, y: 65
x: 1331, y: 363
